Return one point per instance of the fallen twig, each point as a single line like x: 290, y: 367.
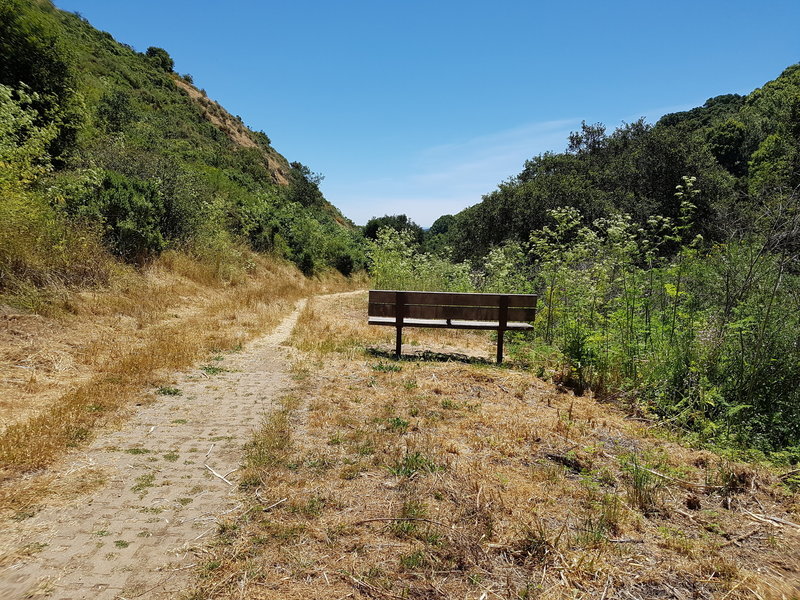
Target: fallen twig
x: 213, y: 472
x: 788, y: 474
x: 769, y: 518
x: 202, y: 534
x: 741, y: 538
x: 396, y: 519
x: 681, y: 482
x: 274, y: 504
x: 418, y: 520
x: 685, y: 514
x: 605, y: 588
x: 373, y: 588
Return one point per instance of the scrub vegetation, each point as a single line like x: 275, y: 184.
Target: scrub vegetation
x: 666, y: 261
x: 445, y: 477
x: 108, y: 158
x: 642, y: 441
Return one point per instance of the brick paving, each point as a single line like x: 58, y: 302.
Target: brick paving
x: 139, y: 534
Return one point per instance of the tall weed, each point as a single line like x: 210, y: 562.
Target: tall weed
x: 396, y: 263
x: 705, y: 337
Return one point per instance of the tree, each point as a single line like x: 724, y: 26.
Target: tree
x: 441, y: 225
x: 590, y: 138
x: 396, y: 222
x: 161, y: 58
x: 727, y: 144
x: 304, y: 186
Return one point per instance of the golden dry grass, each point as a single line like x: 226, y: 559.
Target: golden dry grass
x: 81, y: 369
x: 414, y: 479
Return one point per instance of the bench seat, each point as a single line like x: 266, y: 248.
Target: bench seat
x: 451, y: 324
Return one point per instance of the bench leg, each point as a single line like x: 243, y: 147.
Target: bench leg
x: 398, y: 343
x: 500, y: 336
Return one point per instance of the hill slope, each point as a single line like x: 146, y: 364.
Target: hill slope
x: 108, y: 145
x: 744, y: 151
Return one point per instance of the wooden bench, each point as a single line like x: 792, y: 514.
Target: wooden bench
x: 450, y: 310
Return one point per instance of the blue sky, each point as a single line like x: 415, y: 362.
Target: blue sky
x: 422, y: 107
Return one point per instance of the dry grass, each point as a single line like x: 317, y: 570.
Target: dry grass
x: 415, y: 479
x: 346, y: 331
x: 68, y: 375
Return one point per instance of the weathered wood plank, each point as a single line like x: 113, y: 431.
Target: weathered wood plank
x: 442, y: 324
x: 465, y: 313
x: 451, y: 310
x: 454, y: 298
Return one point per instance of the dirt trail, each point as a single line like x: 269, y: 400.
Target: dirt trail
x: 132, y: 537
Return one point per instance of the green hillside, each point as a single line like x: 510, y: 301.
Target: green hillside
x: 744, y: 152
x: 106, y: 150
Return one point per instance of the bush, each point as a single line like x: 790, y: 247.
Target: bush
x: 705, y: 338
x: 128, y: 211
x: 40, y: 249
x: 160, y: 58
x: 36, y: 56
x: 395, y: 264
x: 23, y: 142
x: 115, y: 111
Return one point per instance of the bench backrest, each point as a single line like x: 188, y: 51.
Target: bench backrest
x: 452, y: 305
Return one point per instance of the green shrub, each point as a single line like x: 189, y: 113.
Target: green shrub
x: 160, y: 58
x: 23, y: 140
x: 115, y: 111
x: 129, y: 211
x: 38, y: 57
x: 395, y: 263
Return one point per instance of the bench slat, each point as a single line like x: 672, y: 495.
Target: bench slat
x: 442, y: 324
x: 464, y: 313
x: 454, y: 298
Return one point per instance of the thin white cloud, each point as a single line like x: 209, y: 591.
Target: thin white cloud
x: 506, y: 139
x: 447, y: 178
